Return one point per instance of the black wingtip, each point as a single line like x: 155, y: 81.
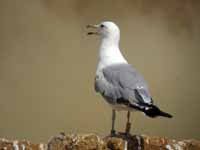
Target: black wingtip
x: 164, y: 114
x: 153, y: 111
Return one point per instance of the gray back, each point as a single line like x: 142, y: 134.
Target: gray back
x: 122, y: 81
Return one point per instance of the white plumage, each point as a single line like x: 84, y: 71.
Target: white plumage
x: 117, y: 81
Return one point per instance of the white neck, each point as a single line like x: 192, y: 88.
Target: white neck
x: 109, y: 53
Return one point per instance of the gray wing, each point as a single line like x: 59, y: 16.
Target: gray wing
x: 122, y: 81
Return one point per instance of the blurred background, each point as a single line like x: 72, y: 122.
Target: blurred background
x: 48, y: 64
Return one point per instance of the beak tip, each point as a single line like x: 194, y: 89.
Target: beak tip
x: 88, y: 26
x: 89, y: 33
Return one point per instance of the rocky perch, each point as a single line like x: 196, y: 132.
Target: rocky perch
x: 94, y: 142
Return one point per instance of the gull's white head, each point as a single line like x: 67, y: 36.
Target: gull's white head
x: 106, y: 29
x: 109, y: 52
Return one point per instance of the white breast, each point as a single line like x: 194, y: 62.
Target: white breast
x: 109, y: 56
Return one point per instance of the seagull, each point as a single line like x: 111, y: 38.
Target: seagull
x: 120, y: 84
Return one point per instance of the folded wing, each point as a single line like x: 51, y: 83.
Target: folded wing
x: 122, y: 81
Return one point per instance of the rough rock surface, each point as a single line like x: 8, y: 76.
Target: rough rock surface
x: 94, y: 142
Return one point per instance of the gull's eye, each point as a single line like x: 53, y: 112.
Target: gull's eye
x: 102, y: 26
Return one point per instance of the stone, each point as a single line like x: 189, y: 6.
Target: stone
x: 95, y: 142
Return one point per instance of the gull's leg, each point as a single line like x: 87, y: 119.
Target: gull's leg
x: 113, y: 122
x: 128, y: 124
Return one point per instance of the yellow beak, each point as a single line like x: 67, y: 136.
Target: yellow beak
x: 93, y: 27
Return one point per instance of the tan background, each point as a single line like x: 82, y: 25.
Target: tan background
x: 47, y: 65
